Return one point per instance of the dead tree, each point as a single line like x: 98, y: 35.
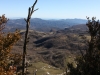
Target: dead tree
x: 30, y: 12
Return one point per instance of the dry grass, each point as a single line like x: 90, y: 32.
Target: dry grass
x: 43, y: 68
x: 70, y: 59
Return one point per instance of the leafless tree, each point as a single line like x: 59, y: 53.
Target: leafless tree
x: 30, y: 12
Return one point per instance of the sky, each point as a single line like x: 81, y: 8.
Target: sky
x: 51, y: 9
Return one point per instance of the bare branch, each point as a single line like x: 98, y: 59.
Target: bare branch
x: 25, y: 19
x: 33, y: 7
x: 35, y: 10
x: 30, y: 12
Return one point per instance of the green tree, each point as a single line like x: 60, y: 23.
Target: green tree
x: 89, y: 63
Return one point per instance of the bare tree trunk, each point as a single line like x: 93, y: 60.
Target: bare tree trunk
x: 30, y: 12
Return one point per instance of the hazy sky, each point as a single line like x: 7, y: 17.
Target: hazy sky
x: 51, y: 9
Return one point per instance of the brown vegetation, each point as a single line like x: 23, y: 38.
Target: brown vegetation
x: 6, y: 42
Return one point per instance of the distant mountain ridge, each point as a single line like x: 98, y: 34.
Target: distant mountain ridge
x: 44, y: 25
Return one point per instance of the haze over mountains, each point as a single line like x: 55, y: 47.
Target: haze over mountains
x: 59, y: 38
x: 43, y: 25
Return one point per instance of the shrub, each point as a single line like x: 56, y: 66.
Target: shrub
x: 89, y: 63
x: 6, y: 42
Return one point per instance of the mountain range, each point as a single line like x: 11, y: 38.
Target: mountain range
x: 43, y: 25
x: 51, y: 41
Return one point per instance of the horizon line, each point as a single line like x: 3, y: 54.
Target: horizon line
x: 46, y: 18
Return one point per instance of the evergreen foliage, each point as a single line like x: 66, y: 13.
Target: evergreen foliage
x: 7, y: 40
x: 89, y: 63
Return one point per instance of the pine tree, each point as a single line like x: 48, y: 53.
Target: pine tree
x: 89, y: 63
x: 7, y: 40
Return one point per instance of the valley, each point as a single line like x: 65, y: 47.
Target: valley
x: 52, y: 44
x: 55, y: 48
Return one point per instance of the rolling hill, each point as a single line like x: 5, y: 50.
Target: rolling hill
x: 43, y: 25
